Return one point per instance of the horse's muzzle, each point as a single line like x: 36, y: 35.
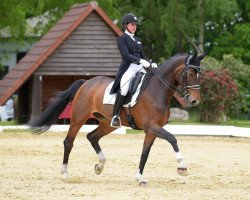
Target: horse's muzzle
x: 192, y: 101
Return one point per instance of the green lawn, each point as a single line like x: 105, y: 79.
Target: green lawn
x: 238, y: 123
x: 8, y: 123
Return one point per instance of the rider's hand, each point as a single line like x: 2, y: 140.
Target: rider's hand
x: 145, y: 63
x: 154, y: 65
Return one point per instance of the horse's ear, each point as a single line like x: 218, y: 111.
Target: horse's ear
x: 195, y: 55
x: 193, y: 58
x: 201, y: 56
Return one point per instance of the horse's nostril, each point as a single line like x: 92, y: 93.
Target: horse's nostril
x: 194, y: 102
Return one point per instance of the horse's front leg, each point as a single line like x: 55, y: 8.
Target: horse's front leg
x: 162, y: 133
x: 148, y: 142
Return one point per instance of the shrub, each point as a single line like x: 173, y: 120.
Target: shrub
x: 219, y: 94
x: 239, y: 71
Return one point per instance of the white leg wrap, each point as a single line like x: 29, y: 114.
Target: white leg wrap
x: 140, y: 178
x: 180, y: 160
x: 64, y: 171
x: 101, y: 157
x: 99, y: 166
x: 179, y: 156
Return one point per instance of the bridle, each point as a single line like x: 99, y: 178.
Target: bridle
x: 185, y: 87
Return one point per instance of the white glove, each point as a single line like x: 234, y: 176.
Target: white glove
x: 154, y: 65
x: 145, y: 63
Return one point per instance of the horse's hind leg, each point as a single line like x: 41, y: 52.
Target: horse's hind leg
x: 79, y: 117
x: 68, y: 144
x: 94, y: 137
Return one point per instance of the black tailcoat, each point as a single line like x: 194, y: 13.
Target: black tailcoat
x: 131, y: 52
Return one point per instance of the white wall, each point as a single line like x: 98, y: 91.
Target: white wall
x: 9, y: 50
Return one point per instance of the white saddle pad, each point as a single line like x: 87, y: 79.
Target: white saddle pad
x: 110, y: 98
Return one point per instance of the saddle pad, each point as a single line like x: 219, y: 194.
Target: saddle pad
x: 110, y: 98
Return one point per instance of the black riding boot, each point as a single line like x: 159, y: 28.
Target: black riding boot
x: 116, y: 122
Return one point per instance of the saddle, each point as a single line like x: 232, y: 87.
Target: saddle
x: 132, y: 90
x: 133, y: 87
x: 137, y: 86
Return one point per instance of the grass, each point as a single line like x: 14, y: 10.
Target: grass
x: 240, y: 121
x: 8, y: 123
x: 237, y: 123
x: 132, y: 131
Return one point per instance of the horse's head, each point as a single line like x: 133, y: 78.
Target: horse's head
x: 189, y: 79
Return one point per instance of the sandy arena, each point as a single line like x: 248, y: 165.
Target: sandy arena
x: 218, y: 168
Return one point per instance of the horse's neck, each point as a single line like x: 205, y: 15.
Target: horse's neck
x: 161, y: 89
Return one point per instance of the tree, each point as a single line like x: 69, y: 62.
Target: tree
x: 14, y: 13
x: 174, y: 24
x: 184, y: 21
x: 231, y: 37
x: 236, y: 43
x: 167, y: 26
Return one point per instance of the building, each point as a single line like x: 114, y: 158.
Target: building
x: 81, y: 45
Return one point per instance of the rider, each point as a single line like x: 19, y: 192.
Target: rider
x: 133, y: 61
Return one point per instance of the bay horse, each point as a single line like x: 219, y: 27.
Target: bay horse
x: 150, y: 113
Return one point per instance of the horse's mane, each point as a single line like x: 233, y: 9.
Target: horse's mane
x: 171, y: 59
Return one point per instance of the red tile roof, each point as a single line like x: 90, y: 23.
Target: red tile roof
x: 47, y: 45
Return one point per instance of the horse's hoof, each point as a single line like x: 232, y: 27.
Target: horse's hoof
x: 182, y: 171
x: 143, y: 184
x: 98, y: 170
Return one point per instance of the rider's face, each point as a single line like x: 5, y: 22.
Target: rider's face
x: 132, y: 27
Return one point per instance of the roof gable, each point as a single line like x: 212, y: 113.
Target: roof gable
x: 90, y: 50
x: 48, y: 44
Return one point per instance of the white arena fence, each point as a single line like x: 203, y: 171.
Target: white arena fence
x: 189, y: 130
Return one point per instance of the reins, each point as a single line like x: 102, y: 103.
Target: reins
x: 165, y: 82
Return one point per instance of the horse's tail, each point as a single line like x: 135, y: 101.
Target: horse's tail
x: 55, y: 107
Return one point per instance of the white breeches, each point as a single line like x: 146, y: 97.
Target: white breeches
x: 128, y: 75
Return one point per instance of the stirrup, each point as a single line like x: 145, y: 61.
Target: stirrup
x: 116, y: 122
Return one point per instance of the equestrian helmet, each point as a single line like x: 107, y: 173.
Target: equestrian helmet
x: 129, y: 18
